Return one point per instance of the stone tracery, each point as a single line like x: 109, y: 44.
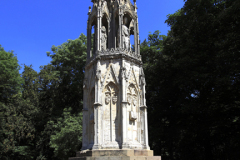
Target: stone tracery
x: 110, y: 117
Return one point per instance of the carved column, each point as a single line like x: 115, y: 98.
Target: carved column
x: 85, y: 91
x: 98, y: 82
x: 113, y: 30
x: 124, y: 126
x: 88, y: 40
x: 144, y: 109
x: 95, y: 40
x: 99, y: 33
x: 97, y: 126
x: 97, y: 109
x: 85, y: 117
x: 89, y: 32
x: 98, y: 29
x: 137, y: 45
x: 143, y: 90
x: 120, y: 27
x: 124, y: 107
x: 109, y: 40
x: 138, y: 41
x: 135, y: 37
x: 123, y: 76
x: 146, y: 144
x: 84, y: 129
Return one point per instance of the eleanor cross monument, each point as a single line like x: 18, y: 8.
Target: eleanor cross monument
x: 114, y: 111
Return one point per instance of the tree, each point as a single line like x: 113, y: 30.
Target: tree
x: 17, y: 113
x: 158, y: 79
x: 68, y: 61
x: 67, y: 136
x: 10, y: 80
x: 60, y: 90
x: 197, y: 95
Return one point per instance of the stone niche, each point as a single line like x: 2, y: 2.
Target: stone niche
x: 114, y: 106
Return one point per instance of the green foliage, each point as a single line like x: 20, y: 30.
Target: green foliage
x: 10, y: 79
x: 68, y: 61
x: 18, y: 130
x: 61, y: 89
x: 67, y: 135
x: 196, y: 94
x: 35, y: 107
x: 17, y: 121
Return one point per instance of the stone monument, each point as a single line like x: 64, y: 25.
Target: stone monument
x: 114, y: 111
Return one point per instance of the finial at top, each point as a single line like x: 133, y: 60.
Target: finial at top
x: 89, y: 11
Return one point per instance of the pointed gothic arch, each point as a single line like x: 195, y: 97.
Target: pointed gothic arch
x: 110, y: 76
x: 132, y: 79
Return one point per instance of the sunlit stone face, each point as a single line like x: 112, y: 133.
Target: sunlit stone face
x: 114, y: 93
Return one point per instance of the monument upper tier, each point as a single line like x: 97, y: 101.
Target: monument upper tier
x: 110, y: 25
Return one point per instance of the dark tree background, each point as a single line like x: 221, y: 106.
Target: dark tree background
x: 193, y: 91
x: 194, y: 84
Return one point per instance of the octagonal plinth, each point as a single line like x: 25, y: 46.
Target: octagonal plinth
x: 115, y: 155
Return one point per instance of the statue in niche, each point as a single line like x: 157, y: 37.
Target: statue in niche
x: 126, y: 35
x: 104, y: 38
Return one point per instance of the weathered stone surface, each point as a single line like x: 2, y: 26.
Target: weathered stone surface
x: 118, y: 158
x: 120, y: 152
x: 115, y: 123
x: 114, y: 85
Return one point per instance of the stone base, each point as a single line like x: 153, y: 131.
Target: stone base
x: 115, y: 155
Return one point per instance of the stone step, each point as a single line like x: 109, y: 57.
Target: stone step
x: 118, y: 158
x: 120, y: 152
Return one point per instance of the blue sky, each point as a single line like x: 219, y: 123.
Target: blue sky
x: 31, y: 27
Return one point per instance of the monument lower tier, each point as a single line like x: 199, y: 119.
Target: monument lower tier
x: 115, y: 155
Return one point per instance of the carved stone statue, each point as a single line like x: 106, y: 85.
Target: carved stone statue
x: 126, y: 37
x: 104, y: 38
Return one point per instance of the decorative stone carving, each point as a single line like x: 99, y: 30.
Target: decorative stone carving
x: 129, y: 98
x: 107, y: 98
x: 104, y: 38
x: 134, y: 100
x: 126, y: 38
x: 110, y: 75
x: 132, y: 116
x: 114, y: 99
x: 123, y: 73
x: 110, y: 118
